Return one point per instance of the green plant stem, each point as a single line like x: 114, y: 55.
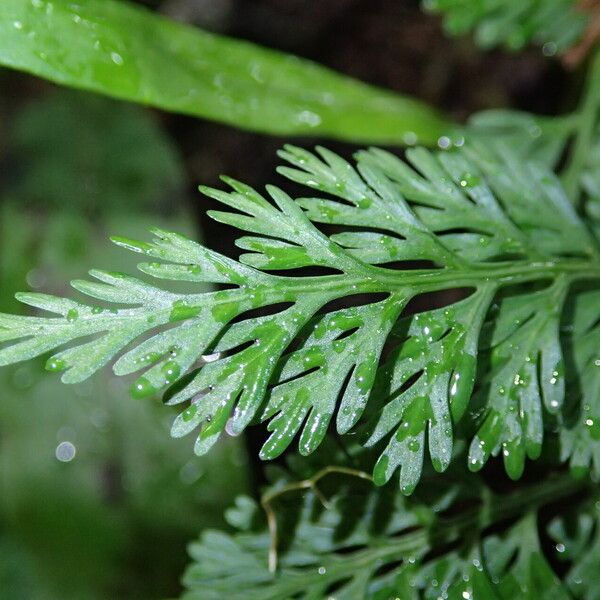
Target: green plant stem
x: 495, y: 509
x: 587, y: 117
x: 310, y: 483
x: 376, y: 279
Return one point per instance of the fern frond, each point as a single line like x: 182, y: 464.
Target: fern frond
x: 379, y: 545
x: 469, y: 221
x: 557, y: 24
x: 580, y: 423
x: 590, y: 180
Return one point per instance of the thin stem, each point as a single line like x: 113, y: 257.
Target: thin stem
x: 377, y: 279
x: 310, y: 483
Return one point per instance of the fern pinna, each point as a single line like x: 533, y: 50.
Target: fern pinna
x: 347, y: 343
x: 374, y: 544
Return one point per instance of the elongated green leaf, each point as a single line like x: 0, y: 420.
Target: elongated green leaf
x: 127, y: 52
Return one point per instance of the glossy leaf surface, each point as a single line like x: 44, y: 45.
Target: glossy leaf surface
x: 121, y: 50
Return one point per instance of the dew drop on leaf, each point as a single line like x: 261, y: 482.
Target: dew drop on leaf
x: 55, y: 365
x: 189, y: 413
x: 72, y: 315
x: 171, y: 371
x: 142, y: 388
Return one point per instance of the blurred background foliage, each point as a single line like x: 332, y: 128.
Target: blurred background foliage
x: 112, y: 518
x: 96, y: 500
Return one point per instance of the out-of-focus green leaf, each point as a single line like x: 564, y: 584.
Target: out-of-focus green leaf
x: 372, y: 545
x: 534, y: 137
x: 590, y: 180
x: 117, y: 49
x: 555, y: 24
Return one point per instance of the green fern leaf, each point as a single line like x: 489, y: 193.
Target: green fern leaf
x: 557, y: 24
x: 402, y: 376
x: 372, y: 544
x: 580, y: 425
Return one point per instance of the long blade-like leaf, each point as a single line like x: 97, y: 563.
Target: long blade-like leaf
x: 127, y: 52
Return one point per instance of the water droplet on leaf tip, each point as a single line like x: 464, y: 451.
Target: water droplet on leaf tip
x: 55, y: 365
x: 142, y: 388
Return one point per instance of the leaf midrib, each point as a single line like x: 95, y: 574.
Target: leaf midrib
x: 378, y: 279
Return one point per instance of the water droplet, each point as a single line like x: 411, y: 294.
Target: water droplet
x: 413, y: 445
x: 469, y: 180
x: 142, y: 388
x: 182, y: 311
x: 55, y: 365
x: 311, y: 119
x: 65, y: 452
x: 116, y: 58
x: 18, y: 25
x: 549, y: 49
x: 560, y: 548
x: 410, y: 138
x: 322, y: 570
x: 72, y: 315
x: 171, y: 371
x: 444, y: 142
x: 189, y: 413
